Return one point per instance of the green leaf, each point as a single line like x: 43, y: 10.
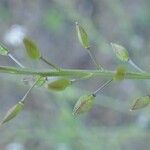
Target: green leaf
x: 31, y: 48
x: 59, y: 85
x: 82, y: 36
x: 13, y: 112
x: 3, y: 50
x: 120, y: 52
x: 84, y: 104
x: 120, y: 73
x: 141, y: 102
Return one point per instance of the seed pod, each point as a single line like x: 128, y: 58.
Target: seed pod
x: 141, y: 103
x: 31, y: 48
x: 3, y: 50
x: 120, y: 73
x: 84, y: 104
x: 13, y: 112
x: 82, y: 36
x: 120, y: 52
x: 59, y: 85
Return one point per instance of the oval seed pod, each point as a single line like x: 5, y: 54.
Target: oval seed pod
x: 82, y: 36
x: 120, y: 73
x: 84, y: 104
x: 31, y: 48
x: 141, y: 103
x: 3, y: 50
x: 120, y: 52
x: 59, y: 85
x: 13, y: 112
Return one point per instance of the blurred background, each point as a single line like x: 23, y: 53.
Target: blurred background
x: 47, y: 122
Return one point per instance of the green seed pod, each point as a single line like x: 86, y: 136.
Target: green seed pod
x: 120, y: 52
x: 3, y: 50
x: 13, y: 112
x: 82, y: 36
x: 120, y: 73
x: 59, y: 85
x: 84, y: 104
x: 141, y: 103
x: 31, y: 48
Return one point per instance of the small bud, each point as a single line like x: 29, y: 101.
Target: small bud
x: 3, y: 50
x: 13, y: 112
x: 82, y: 36
x: 120, y: 73
x: 141, y: 102
x: 120, y: 52
x: 59, y: 85
x: 32, y: 49
x: 84, y: 104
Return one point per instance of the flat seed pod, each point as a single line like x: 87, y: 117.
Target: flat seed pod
x: 13, y: 112
x: 84, y: 104
x: 120, y: 52
x: 3, y: 50
x: 59, y: 85
x: 31, y: 49
x: 120, y: 73
x: 82, y: 36
x: 141, y: 102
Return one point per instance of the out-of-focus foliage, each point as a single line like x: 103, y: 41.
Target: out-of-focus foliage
x: 47, y: 121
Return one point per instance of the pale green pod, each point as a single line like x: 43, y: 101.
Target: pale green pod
x: 59, y: 85
x: 82, y: 36
x: 3, y: 50
x: 120, y: 52
x: 13, y: 112
x: 141, y: 103
x: 31, y: 48
x: 84, y: 104
x: 120, y: 73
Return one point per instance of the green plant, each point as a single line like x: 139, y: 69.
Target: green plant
x: 69, y: 76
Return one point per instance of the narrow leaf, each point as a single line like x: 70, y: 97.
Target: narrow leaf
x: 13, y: 112
x: 84, y: 104
x: 141, y: 102
x: 59, y: 85
x: 3, y: 50
x: 120, y: 73
x: 82, y: 36
x: 120, y: 52
x: 31, y: 48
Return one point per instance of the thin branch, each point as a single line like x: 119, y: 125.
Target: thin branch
x: 71, y: 73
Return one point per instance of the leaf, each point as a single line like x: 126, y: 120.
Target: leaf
x: 141, y: 102
x: 59, y: 85
x: 13, y: 112
x: 82, y: 36
x: 31, y: 48
x: 120, y: 52
x: 3, y: 50
x: 120, y: 73
x: 84, y: 104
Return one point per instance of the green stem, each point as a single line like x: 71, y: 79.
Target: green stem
x: 29, y: 90
x: 71, y: 73
x: 94, y: 60
x: 50, y: 64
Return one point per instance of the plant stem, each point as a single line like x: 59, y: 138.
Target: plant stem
x: 135, y: 66
x: 102, y: 87
x: 50, y: 64
x: 94, y: 60
x: 15, y: 60
x: 71, y: 73
x: 29, y: 90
